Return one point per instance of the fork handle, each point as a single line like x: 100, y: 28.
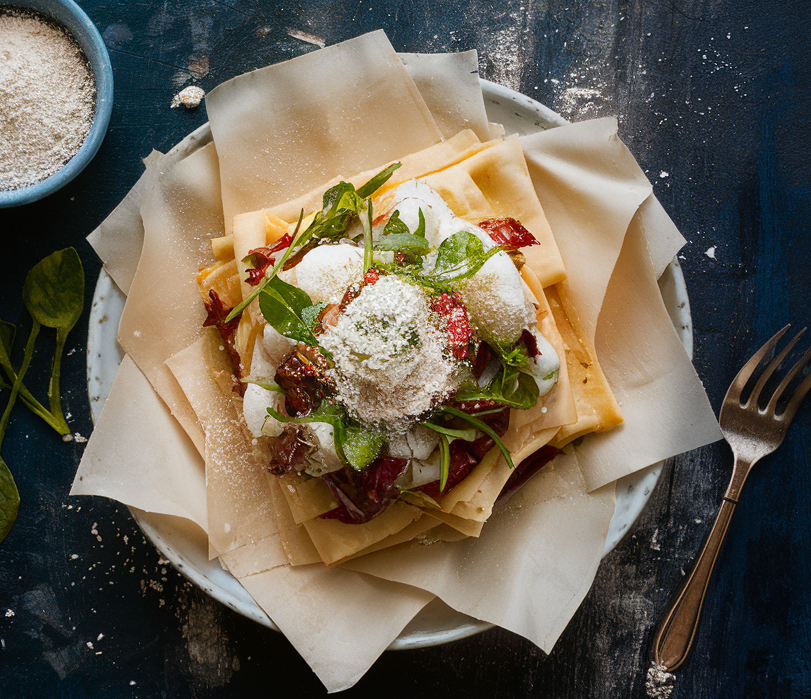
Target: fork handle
x: 678, y: 628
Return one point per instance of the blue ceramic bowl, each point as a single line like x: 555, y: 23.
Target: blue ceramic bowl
x: 84, y: 31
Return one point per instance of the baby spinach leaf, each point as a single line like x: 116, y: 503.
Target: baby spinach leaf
x: 54, y: 290
x: 362, y: 446
x: 459, y: 257
x: 53, y: 293
x: 282, y: 305
x: 9, y: 500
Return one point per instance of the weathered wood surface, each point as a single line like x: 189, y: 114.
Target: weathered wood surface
x: 713, y: 99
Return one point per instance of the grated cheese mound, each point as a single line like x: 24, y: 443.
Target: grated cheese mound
x: 390, y: 359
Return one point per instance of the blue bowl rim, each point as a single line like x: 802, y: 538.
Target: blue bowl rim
x: 69, y: 14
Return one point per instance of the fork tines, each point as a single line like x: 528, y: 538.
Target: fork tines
x: 788, y: 401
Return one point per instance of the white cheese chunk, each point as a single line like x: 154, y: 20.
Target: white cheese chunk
x: 325, y: 272
x: 255, y: 406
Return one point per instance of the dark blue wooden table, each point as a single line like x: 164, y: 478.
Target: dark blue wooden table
x: 714, y: 100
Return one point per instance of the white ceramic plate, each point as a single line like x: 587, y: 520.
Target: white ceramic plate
x: 437, y: 623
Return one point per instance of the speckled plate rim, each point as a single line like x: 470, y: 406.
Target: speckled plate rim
x: 436, y: 623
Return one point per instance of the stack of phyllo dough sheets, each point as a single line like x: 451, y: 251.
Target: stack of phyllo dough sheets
x: 381, y: 359
x: 369, y: 388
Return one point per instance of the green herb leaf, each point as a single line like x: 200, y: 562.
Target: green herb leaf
x: 282, y: 305
x: 327, y: 412
x: 459, y: 257
x: 482, y: 427
x: 398, y: 238
x: 310, y: 314
x: 511, y: 387
x: 444, y: 461
x: 362, y: 446
x: 366, y: 221
x: 9, y: 500
x: 267, y: 385
x: 468, y: 435
x: 368, y: 189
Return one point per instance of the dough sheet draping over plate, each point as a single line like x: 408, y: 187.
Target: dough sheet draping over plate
x: 537, y: 555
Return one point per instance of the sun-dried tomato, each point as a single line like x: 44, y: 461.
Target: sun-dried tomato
x: 530, y: 342
x: 289, y: 452
x: 508, y: 233
x: 262, y: 258
x: 454, y: 322
x: 303, y: 375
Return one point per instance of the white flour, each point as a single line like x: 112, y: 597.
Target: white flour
x: 47, y: 98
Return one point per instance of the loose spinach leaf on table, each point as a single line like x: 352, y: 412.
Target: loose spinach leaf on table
x: 53, y: 293
x: 9, y: 500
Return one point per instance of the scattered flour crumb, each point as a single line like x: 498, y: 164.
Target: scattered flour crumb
x: 710, y: 252
x: 9, y: 612
x: 308, y: 38
x: 90, y: 645
x: 100, y: 636
x: 189, y: 97
x: 659, y: 682
x: 664, y: 174
x: 79, y: 439
x: 67, y: 437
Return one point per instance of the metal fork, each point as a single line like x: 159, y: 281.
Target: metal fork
x: 753, y: 432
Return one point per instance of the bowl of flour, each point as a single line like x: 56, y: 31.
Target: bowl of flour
x: 56, y: 95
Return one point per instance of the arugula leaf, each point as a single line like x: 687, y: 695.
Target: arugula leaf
x: 459, y: 257
x: 398, y: 238
x: 368, y: 189
x: 482, y: 427
x: 444, y: 461
x: 515, y: 355
x: 468, y: 435
x: 366, y: 221
x: 511, y: 387
x: 282, y: 305
x: 9, y: 500
x: 340, y: 204
x: 362, y: 446
x: 327, y: 412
